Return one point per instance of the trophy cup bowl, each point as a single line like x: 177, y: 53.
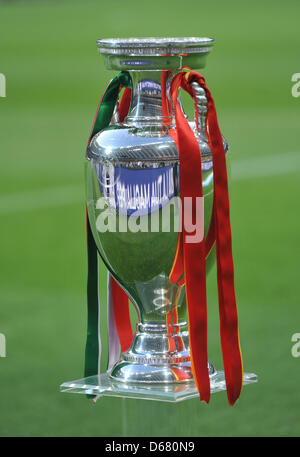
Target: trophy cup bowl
x: 132, y: 179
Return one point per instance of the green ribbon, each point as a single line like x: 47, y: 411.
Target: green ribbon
x: 102, y: 119
x: 108, y: 101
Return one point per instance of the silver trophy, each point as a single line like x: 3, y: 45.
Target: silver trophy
x: 132, y: 176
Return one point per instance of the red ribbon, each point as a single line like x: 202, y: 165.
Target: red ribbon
x: 193, y: 255
x: 125, y: 104
x: 121, y: 315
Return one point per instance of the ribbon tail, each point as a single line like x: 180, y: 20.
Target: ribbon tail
x: 114, y: 346
x: 93, y: 342
x: 232, y: 358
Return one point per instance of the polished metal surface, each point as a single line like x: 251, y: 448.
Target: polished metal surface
x: 154, y: 46
x: 134, y: 168
x: 155, y: 53
x: 142, y: 139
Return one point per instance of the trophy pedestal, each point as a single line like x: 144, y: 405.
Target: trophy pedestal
x: 104, y: 385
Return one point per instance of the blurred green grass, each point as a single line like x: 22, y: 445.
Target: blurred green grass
x: 54, y: 80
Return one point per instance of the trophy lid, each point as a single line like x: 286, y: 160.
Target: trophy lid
x: 155, y: 53
x: 154, y: 46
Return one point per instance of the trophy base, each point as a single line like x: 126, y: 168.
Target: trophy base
x: 104, y: 385
x: 146, y: 373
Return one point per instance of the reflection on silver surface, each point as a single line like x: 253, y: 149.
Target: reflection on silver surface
x: 155, y: 53
x: 154, y: 46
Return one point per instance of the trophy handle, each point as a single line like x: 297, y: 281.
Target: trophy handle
x: 200, y: 109
x: 201, y: 113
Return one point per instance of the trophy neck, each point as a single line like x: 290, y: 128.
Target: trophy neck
x: 147, y: 99
x: 163, y: 329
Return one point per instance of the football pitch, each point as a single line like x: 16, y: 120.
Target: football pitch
x: 54, y: 79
